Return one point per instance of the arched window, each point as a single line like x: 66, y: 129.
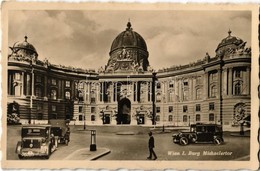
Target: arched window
x: 197, y: 118
x: 93, y: 97
x: 170, y: 118
x: 198, y: 94
x: 238, y: 88
x: 158, y: 97
x: 213, y: 91
x: 185, y: 118
x: 67, y: 95
x: 53, y: 94
x: 211, y: 117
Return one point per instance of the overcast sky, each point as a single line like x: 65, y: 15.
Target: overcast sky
x: 83, y: 38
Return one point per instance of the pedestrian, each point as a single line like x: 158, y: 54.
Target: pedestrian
x: 151, y: 146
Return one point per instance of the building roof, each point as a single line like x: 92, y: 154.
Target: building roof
x: 128, y: 38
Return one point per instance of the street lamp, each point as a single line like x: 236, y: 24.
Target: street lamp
x: 153, y: 97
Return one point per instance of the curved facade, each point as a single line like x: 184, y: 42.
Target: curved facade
x: 127, y: 91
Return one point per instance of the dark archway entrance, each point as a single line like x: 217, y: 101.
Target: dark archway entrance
x: 124, y: 111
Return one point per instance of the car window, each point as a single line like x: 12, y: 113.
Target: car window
x: 33, y: 132
x: 200, y: 129
x: 211, y: 129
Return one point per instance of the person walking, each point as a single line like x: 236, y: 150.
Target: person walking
x: 151, y: 146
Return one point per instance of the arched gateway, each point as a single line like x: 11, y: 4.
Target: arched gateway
x: 124, y: 111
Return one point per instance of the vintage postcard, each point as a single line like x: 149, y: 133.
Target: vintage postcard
x: 136, y: 86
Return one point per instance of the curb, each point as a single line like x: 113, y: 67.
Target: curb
x: 100, y: 155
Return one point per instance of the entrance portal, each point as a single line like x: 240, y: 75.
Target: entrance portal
x: 124, y: 111
x: 107, y: 119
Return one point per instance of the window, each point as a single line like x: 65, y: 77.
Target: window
x: 211, y: 117
x: 93, y: 99
x: 158, y: 85
x: 213, y: 91
x: 38, y: 79
x: 17, y: 76
x: 238, y: 88
x: 185, y: 95
x: 170, y: 97
x: 185, y: 83
x: 80, y: 96
x: 93, y: 109
x: 185, y: 118
x: 238, y: 74
x: 80, y: 109
x: 38, y: 92
x: 170, y: 118
x: 170, y: 109
x: 39, y: 106
x: 211, y: 106
x: 67, y: 84
x: 80, y: 86
x: 197, y: 117
x: 39, y: 116
x: 53, y: 116
x: 213, y: 76
x: 158, y: 109
x: 158, y: 97
x: 53, y: 108
x: 80, y: 117
x: 198, y: 94
x: 67, y: 95
x: 76, y: 85
x: 198, y: 80
x: 53, y: 94
x: 53, y: 81
x: 93, y: 117
x: 171, y: 85
x: 185, y: 109
x: 157, y: 117
x: 197, y: 107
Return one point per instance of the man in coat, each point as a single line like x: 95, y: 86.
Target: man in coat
x: 151, y: 146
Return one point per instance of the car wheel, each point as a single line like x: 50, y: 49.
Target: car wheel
x: 20, y: 156
x: 193, y: 137
x: 49, y: 153
x: 218, y: 141
x: 184, y: 141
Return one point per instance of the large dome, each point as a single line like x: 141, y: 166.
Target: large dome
x: 128, y: 38
x: 24, y: 49
x: 229, y: 43
x: 128, y: 53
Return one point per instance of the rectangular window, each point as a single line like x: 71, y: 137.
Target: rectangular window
x: 17, y: 76
x: 211, y: 117
x: 158, y: 109
x: 197, y: 107
x: 53, y: 108
x: 80, y: 117
x: 185, y: 83
x: 211, y: 106
x: 170, y: 109
x: 38, y: 79
x: 158, y: 85
x: 67, y: 84
x: 39, y: 106
x: 93, y: 110
x: 238, y: 74
x: 53, y: 81
x: 171, y: 84
x: 80, y: 109
x: 185, y: 108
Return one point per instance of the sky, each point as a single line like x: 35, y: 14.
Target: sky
x: 83, y: 38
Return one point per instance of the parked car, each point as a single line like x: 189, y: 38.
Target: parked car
x: 36, y: 140
x: 200, y: 133
x: 61, y: 131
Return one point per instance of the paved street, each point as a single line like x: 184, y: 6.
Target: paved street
x: 134, y: 147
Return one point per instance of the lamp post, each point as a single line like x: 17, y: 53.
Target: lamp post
x: 153, y: 97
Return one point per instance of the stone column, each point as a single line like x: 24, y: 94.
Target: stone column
x: 32, y: 82
x: 230, y: 81
x: 224, y: 81
x: 206, y: 85
x: 248, y: 80
x: 22, y: 80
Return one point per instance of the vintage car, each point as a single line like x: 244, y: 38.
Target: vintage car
x: 61, y: 131
x: 36, y: 140
x: 200, y: 133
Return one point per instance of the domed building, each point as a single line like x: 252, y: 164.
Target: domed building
x: 128, y: 91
